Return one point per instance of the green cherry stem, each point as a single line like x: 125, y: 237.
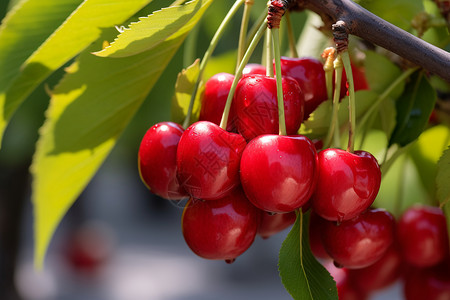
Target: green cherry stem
x: 333, y: 130
x: 237, y: 75
x: 276, y: 48
x: 351, y: 102
x: 269, y: 54
x: 212, y: 45
x: 291, y: 38
x: 243, y: 31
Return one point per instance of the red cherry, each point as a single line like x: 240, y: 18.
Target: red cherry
x: 359, y: 80
x: 253, y: 69
x: 214, y: 98
x: 315, y: 232
x: 257, y: 109
x: 309, y: 74
x: 157, y: 160
x: 208, y: 160
x: 346, y: 290
x: 359, y: 242
x: 220, y: 229
x: 278, y: 173
x: 429, y: 283
x: 381, y: 274
x: 271, y: 224
x: 422, y: 235
x: 347, y: 185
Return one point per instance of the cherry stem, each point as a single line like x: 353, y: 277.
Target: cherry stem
x: 212, y: 45
x: 329, y: 54
x: 351, y: 101
x: 280, y: 100
x: 334, y: 126
x: 291, y: 38
x: 269, y: 54
x: 243, y: 31
x: 255, y: 26
x: 238, y: 74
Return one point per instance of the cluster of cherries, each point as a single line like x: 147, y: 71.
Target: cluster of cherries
x: 248, y: 180
x: 418, y: 257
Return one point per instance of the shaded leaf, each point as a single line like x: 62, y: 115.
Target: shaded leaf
x: 381, y: 73
x: 301, y: 274
x: 443, y: 185
x: 89, y: 110
x: 413, y: 108
x: 318, y: 123
x: 78, y: 31
x: 184, y: 87
x: 167, y: 23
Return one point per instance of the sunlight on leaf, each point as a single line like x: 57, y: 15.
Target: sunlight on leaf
x: 301, y: 274
x: 167, y: 23
x: 78, y: 31
x: 184, y: 88
x: 18, y: 42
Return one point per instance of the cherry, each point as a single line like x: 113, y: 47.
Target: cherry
x: 361, y: 241
x: 208, y: 160
x: 422, y: 234
x: 257, y: 109
x: 348, y: 184
x: 309, y: 74
x: 381, y: 274
x: 431, y: 283
x: 278, y: 173
x: 252, y: 69
x: 214, y: 98
x: 220, y: 229
x: 157, y: 160
x: 315, y: 240
x: 359, y: 80
x: 346, y: 289
x: 271, y: 224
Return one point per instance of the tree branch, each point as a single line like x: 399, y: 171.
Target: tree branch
x: 372, y: 28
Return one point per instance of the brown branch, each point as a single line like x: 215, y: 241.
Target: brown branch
x: 372, y: 28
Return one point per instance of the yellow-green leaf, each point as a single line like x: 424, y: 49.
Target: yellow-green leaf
x: 167, y: 23
x: 79, y: 30
x: 184, y: 88
x: 89, y: 110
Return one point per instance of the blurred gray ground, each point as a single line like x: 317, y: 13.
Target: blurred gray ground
x: 149, y: 258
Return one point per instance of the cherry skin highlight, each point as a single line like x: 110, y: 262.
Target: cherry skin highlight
x: 257, y: 107
x: 422, y: 235
x: 278, y: 173
x: 310, y: 76
x: 361, y: 241
x: 347, y: 185
x: 253, y: 69
x: 221, y: 229
x: 157, y: 160
x: 214, y: 98
x: 208, y: 160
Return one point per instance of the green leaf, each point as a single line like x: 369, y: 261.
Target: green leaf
x: 381, y: 73
x: 301, y: 274
x: 89, y: 110
x: 426, y: 153
x: 414, y: 108
x: 167, y: 23
x: 184, y: 88
x: 318, y: 123
x: 386, y: 117
x: 78, y: 31
x: 443, y: 178
x: 398, y: 12
x: 443, y: 185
